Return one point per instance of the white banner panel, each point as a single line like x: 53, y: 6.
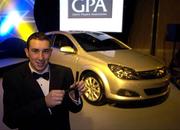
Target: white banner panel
x: 91, y: 15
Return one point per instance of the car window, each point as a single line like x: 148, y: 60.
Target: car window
x: 97, y: 42
x: 62, y: 40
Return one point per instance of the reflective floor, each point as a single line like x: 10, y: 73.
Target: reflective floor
x: 164, y: 116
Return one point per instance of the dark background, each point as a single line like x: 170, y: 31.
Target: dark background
x: 46, y: 15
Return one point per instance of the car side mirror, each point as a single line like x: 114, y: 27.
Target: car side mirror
x: 67, y: 49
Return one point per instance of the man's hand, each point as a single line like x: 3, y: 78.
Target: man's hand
x: 80, y: 86
x: 78, y: 90
x: 55, y: 97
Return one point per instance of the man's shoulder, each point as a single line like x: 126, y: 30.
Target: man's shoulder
x: 16, y: 69
x: 59, y: 67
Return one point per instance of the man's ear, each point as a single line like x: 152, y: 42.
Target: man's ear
x: 50, y: 51
x: 27, y: 52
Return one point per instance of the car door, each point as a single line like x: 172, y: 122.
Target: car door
x: 64, y: 58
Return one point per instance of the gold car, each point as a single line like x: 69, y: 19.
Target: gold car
x: 111, y: 70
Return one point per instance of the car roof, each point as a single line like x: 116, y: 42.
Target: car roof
x: 99, y: 35
x: 73, y: 32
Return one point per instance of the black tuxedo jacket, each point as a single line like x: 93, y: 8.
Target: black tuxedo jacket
x: 24, y: 101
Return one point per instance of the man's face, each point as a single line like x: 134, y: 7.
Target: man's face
x: 38, y: 53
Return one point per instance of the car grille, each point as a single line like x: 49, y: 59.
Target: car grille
x: 152, y: 74
x: 154, y: 91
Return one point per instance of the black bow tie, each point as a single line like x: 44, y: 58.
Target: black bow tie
x: 44, y: 75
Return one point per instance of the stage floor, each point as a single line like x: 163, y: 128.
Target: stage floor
x: 164, y: 116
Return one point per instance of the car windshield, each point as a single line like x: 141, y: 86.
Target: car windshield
x: 97, y: 42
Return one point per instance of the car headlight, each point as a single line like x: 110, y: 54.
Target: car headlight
x: 161, y: 72
x: 123, y: 72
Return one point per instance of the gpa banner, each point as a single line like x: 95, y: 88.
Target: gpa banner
x: 91, y: 15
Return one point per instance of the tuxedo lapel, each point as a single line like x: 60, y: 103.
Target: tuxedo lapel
x: 53, y: 83
x: 56, y: 78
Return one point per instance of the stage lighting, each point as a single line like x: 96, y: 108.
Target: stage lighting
x: 11, y: 20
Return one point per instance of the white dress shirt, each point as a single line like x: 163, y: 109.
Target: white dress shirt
x: 43, y: 83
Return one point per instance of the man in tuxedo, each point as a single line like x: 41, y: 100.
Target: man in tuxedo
x: 38, y: 95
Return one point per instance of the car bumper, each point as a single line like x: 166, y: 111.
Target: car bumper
x: 134, y: 90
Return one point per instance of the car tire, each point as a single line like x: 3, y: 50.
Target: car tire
x: 95, y: 93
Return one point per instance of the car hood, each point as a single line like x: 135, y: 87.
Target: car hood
x: 128, y: 58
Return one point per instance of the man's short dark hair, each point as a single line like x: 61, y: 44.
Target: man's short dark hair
x: 38, y: 36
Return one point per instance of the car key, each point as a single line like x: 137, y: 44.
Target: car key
x: 74, y: 88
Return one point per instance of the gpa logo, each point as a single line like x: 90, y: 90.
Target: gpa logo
x: 90, y: 8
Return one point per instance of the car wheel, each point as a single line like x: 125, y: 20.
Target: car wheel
x: 95, y: 89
